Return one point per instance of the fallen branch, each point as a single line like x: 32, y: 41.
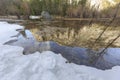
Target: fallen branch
x: 98, y: 55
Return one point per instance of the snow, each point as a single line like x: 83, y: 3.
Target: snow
x: 43, y: 66
x: 49, y: 66
x: 10, y: 51
x: 7, y: 31
x: 32, y: 66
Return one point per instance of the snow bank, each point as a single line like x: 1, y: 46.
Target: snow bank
x: 42, y: 66
x: 47, y: 66
x: 7, y: 31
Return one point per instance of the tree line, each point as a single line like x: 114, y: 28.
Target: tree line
x: 78, y: 8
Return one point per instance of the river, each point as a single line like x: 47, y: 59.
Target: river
x: 72, y: 40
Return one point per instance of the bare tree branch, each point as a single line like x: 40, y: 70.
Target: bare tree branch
x: 96, y: 57
x: 117, y: 9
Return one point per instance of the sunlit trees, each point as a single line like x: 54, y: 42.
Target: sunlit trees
x: 69, y: 8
